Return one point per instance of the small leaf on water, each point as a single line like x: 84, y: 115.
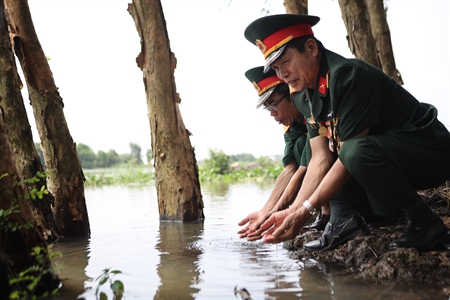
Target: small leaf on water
x: 103, y: 296
x: 103, y: 280
x: 117, y: 287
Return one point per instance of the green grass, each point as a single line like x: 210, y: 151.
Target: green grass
x: 118, y: 176
x: 144, y: 175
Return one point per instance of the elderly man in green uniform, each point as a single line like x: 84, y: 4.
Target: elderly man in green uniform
x: 274, y: 96
x: 389, y: 145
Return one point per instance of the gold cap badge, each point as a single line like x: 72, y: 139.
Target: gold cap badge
x: 256, y: 86
x: 261, y: 46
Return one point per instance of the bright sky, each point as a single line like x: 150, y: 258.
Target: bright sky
x: 93, y: 46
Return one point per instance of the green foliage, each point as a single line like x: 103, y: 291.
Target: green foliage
x: 243, y: 157
x: 217, y: 167
x: 129, y: 175
x: 117, y: 287
x: 107, y: 159
x: 5, y: 221
x: 268, y: 172
x: 135, y: 154
x: 37, y: 193
x: 27, y: 281
x: 149, y: 155
x: 86, y: 155
x: 25, y: 284
x: 90, y: 160
x: 265, y: 161
x: 217, y: 163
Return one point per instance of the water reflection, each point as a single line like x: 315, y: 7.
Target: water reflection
x: 179, y: 254
x: 198, y: 261
x: 216, y: 189
x: 71, y: 265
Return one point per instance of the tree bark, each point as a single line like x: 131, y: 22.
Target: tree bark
x: 176, y: 171
x: 359, y: 34
x: 66, y: 180
x: 296, y: 6
x: 382, y: 36
x: 16, y: 245
x: 20, y: 136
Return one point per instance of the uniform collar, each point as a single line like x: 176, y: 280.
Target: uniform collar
x: 320, y: 91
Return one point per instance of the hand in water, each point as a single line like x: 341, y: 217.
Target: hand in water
x: 253, y: 231
x: 284, y: 225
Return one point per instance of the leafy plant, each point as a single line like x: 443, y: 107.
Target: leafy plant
x: 131, y: 175
x: 35, y: 193
x: 116, y: 286
x: 24, y: 286
x: 5, y: 221
x: 218, y: 162
x: 6, y: 224
x: 27, y: 281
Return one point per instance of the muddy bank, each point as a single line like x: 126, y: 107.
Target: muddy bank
x: 369, y: 257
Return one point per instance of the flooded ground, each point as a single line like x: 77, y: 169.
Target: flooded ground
x: 197, y: 261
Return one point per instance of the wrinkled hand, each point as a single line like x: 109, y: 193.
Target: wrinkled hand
x: 284, y: 225
x: 252, y: 231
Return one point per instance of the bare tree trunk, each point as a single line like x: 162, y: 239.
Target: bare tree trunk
x: 296, y: 6
x: 66, y: 180
x: 176, y: 172
x: 382, y: 36
x: 359, y: 34
x: 17, y: 241
x: 20, y: 136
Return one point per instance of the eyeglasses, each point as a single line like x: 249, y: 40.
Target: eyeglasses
x: 274, y: 107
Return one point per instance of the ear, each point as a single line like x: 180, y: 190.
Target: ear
x: 311, y: 47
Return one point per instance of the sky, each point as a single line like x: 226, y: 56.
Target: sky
x: 93, y: 45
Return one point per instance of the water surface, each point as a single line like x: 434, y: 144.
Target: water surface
x: 207, y: 260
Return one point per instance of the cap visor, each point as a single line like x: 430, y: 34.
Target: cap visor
x: 264, y: 97
x: 272, y: 57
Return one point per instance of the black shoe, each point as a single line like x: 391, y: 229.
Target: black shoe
x: 335, y: 235
x: 422, y: 237
x: 320, y: 222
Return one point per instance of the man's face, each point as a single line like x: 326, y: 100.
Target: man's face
x: 281, y: 109
x: 299, y: 70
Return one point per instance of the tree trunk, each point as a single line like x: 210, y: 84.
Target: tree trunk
x: 296, y: 6
x: 359, y: 34
x: 16, y: 241
x: 66, y: 180
x: 176, y: 172
x: 20, y: 136
x: 382, y: 36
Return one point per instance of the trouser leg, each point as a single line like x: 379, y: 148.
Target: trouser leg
x: 355, y: 194
x: 391, y: 170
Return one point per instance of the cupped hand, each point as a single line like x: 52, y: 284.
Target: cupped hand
x: 252, y: 230
x: 284, y: 225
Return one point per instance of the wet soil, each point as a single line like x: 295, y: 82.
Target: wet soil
x: 369, y: 258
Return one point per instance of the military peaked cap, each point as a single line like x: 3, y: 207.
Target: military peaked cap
x: 272, y: 33
x: 264, y: 83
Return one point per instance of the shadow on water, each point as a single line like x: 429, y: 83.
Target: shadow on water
x: 178, y: 254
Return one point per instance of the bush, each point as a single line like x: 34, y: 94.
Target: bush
x: 217, y: 163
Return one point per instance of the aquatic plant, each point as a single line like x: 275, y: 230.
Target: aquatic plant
x: 117, y: 287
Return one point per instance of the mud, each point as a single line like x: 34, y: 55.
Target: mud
x: 368, y: 258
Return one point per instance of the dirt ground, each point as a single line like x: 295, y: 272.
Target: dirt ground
x: 369, y: 257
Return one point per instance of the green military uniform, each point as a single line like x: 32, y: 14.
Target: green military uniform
x: 407, y: 148
x: 295, y: 140
x: 295, y: 134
